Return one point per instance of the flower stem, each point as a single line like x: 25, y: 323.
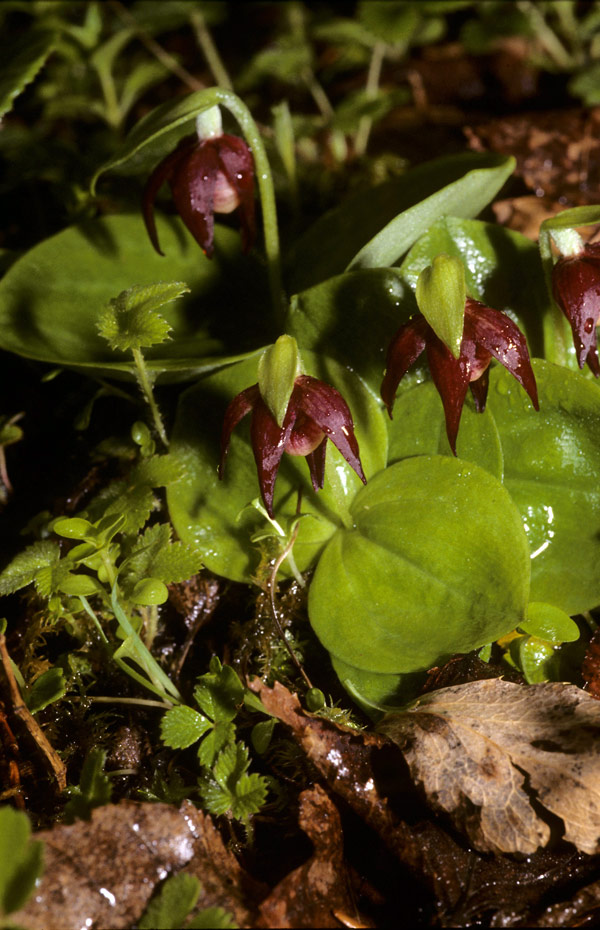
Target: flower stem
x: 266, y: 192
x: 145, y: 383
x: 209, y: 50
x: 361, y: 138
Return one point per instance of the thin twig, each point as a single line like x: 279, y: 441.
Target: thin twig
x: 271, y: 587
x: 209, y: 50
x: 155, y: 49
x: 21, y: 711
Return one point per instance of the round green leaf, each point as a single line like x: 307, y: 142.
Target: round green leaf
x: 537, y: 660
x: 437, y: 563
x: 214, y: 515
x: 150, y: 591
x: 52, y: 298
x: 74, y: 528
x: 549, y: 623
x: 419, y: 428
x: 331, y: 318
x: 551, y: 468
x: 376, y: 692
x: 76, y: 585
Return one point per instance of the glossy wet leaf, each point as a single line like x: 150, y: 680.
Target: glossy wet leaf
x: 338, y: 318
x: 21, y: 64
x: 52, y: 298
x: 375, y: 227
x: 551, y: 468
x: 478, y: 749
x: 549, y: 623
x: 502, y: 269
x: 465, y: 197
x: 214, y: 515
x: 155, y: 136
x: 419, y: 428
x: 437, y: 563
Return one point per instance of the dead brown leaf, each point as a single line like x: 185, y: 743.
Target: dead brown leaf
x: 312, y: 894
x: 102, y: 873
x: 478, y: 748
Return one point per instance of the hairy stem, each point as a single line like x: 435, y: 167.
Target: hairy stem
x: 145, y: 383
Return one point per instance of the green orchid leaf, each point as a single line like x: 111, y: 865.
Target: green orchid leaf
x: 419, y: 428
x: 214, y: 517
x: 156, y: 136
x: 549, y: 623
x: 52, y: 298
x: 575, y: 216
x: 21, y: 860
x: 466, y: 197
x: 551, y: 467
x: 502, y: 269
x: 441, y: 294
x: 21, y: 63
x: 338, y: 318
x: 376, y: 692
x: 437, y: 563
x: 375, y: 227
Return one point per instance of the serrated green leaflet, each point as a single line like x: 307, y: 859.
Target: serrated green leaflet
x: 52, y: 298
x: 214, y: 516
x: 182, y: 726
x: 132, y: 321
x: 169, y: 908
x: 24, y: 567
x: 433, y: 538
x: 21, y: 64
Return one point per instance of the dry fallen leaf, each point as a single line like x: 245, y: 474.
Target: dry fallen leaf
x: 478, y: 749
x: 102, y: 873
x: 311, y: 895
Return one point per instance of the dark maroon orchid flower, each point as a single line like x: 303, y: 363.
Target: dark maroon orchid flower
x: 206, y: 176
x: 316, y: 412
x: 576, y: 289
x: 487, y: 333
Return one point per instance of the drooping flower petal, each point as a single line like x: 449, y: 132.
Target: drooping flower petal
x: 193, y: 186
x: 207, y: 176
x: 576, y: 289
x: 235, y: 160
x: 328, y: 409
x: 163, y: 172
x: 451, y: 378
x: 268, y: 444
x: 241, y: 404
x: 404, y: 350
x: 503, y: 339
x: 316, y: 464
